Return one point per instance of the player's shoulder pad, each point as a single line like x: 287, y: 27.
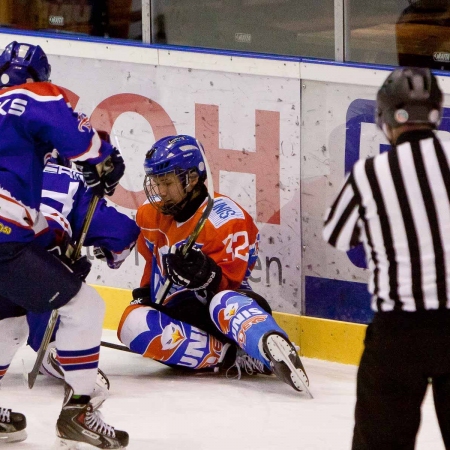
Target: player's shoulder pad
x: 38, y: 90
x: 224, y: 210
x: 61, y: 170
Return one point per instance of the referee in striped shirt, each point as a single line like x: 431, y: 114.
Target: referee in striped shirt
x: 398, y: 205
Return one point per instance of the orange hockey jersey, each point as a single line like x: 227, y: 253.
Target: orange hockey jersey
x: 230, y: 237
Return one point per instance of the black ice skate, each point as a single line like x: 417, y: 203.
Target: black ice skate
x: 12, y: 426
x: 285, y: 361
x: 80, y: 426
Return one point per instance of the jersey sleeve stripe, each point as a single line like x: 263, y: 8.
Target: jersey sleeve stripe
x: 35, y: 96
x: 93, y: 151
x: 340, y: 211
x: 332, y: 211
x: 15, y: 212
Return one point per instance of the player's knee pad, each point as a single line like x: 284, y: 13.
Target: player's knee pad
x: 134, y: 323
x: 13, y: 332
x: 85, y: 310
x: 158, y: 336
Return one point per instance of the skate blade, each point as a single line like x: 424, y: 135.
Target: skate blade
x: 280, y: 350
x: 67, y: 444
x: 17, y: 436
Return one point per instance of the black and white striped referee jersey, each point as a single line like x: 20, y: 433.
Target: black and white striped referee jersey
x: 398, y: 204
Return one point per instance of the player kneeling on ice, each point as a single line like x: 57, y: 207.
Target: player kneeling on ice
x: 210, y: 317
x: 36, y: 118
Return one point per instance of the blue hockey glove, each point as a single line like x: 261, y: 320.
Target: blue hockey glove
x: 193, y: 271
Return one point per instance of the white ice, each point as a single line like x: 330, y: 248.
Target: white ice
x: 162, y: 410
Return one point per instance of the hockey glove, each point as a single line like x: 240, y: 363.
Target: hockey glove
x: 80, y: 268
x: 141, y: 296
x: 91, y: 177
x: 114, y: 170
x: 60, y: 243
x: 193, y: 271
x: 113, y: 259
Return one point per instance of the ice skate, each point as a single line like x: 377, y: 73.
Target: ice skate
x: 12, y: 426
x: 235, y: 362
x: 285, y: 361
x: 80, y: 426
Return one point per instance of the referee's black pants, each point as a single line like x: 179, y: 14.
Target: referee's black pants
x: 403, y: 350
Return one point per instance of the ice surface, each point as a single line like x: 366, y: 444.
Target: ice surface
x: 164, y: 410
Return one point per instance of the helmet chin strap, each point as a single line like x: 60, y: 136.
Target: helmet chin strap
x: 191, y: 203
x: 177, y: 208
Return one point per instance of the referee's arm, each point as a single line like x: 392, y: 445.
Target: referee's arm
x: 341, y: 228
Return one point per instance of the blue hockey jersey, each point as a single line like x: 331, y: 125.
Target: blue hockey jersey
x: 35, y: 118
x: 65, y: 201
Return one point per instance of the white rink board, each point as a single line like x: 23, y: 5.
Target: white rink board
x: 265, y: 146
x: 248, y: 123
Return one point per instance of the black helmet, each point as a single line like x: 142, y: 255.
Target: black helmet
x: 409, y: 95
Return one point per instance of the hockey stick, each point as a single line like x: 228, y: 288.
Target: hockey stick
x: 31, y: 376
x: 165, y: 288
x: 116, y: 347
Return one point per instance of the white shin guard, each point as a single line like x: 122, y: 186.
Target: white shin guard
x: 14, y: 332
x: 81, y: 329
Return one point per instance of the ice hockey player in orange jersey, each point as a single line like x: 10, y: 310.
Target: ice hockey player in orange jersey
x: 210, y: 318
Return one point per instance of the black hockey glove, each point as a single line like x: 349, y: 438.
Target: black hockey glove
x: 91, y: 177
x: 141, y: 296
x: 193, y: 271
x: 114, y: 170
x: 80, y: 268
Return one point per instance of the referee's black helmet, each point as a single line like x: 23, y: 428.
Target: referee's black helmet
x: 409, y: 95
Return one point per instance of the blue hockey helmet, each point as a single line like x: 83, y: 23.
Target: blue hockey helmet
x: 181, y: 155
x: 18, y: 62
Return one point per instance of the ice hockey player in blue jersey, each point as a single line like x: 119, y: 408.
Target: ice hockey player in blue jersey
x: 65, y: 201
x: 35, y: 118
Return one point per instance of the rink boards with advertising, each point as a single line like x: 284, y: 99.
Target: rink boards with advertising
x: 280, y: 134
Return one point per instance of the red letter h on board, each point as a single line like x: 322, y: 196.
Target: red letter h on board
x: 264, y: 163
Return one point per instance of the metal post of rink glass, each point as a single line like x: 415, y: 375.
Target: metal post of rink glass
x: 31, y: 376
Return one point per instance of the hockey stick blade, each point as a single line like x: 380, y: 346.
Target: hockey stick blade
x: 165, y: 288
x: 116, y: 346
x: 31, y: 378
